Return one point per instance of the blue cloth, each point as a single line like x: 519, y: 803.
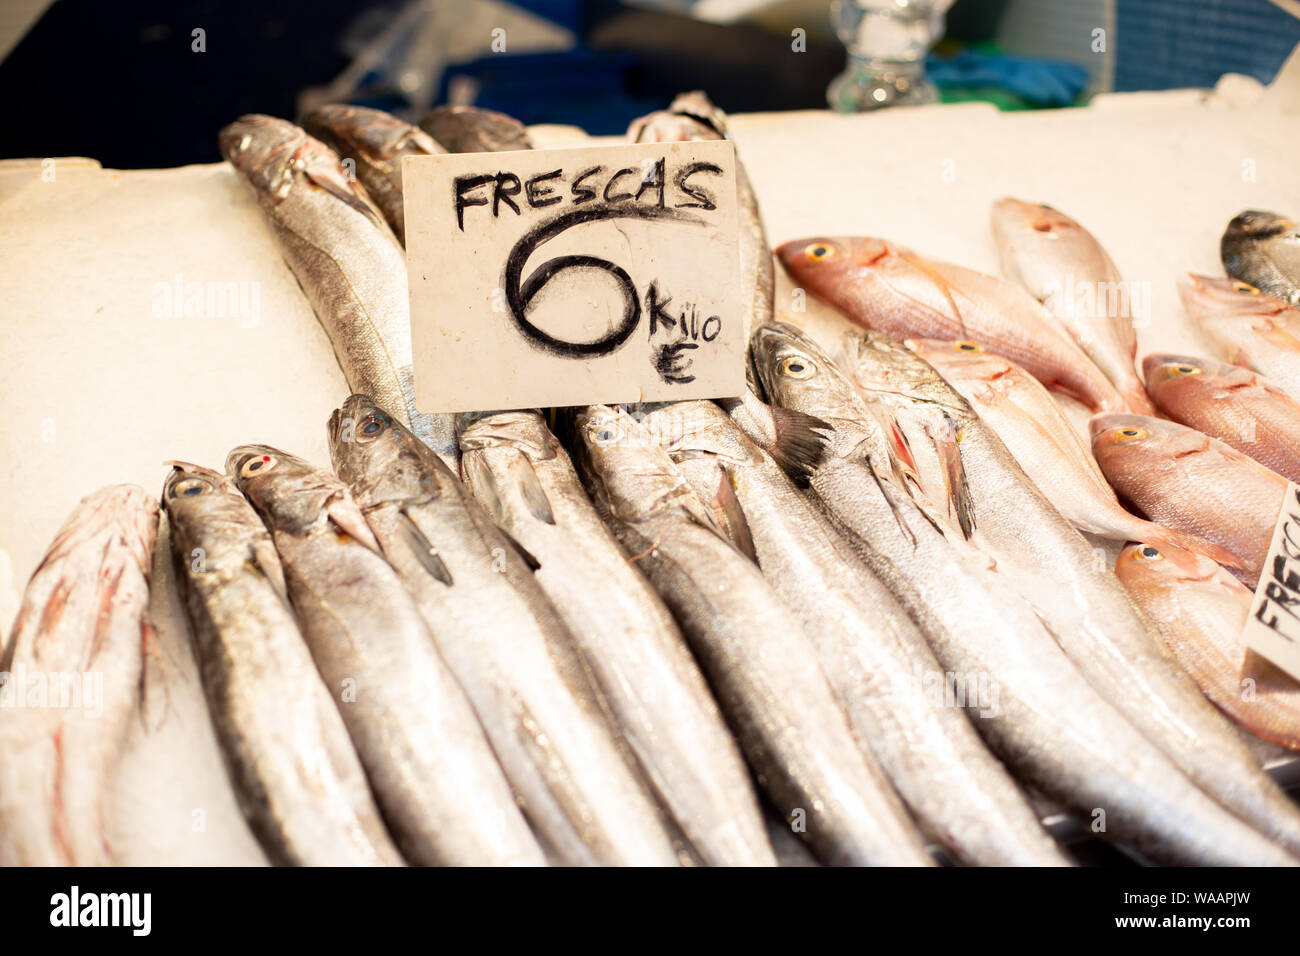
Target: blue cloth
x: 1042, y: 82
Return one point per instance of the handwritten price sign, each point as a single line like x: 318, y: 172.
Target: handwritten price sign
x: 574, y: 276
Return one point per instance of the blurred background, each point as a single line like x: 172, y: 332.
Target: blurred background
x: 145, y: 84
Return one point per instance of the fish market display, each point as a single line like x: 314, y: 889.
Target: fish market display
x: 875, y: 657
x: 1182, y: 478
x: 504, y: 641
x: 691, y: 116
x: 1050, y: 724
x: 1200, y: 610
x: 1075, y: 593
x: 346, y: 259
x: 297, y: 778
x: 1263, y: 249
x: 72, y: 673
x: 1062, y: 266
x: 469, y: 129
x: 1230, y: 403
x: 884, y: 286
x: 414, y: 730
x: 1044, y: 442
x: 375, y: 142
x: 760, y: 663
x: 1248, y: 327
x: 524, y: 477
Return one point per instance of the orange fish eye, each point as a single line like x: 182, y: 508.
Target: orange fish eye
x: 818, y: 251
x: 966, y: 346
x: 1122, y: 435
x: 1245, y: 287
x: 1179, y: 371
x: 1147, y: 553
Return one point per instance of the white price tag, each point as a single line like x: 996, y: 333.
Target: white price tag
x: 1273, y: 628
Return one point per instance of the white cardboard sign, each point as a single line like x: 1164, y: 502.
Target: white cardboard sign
x: 574, y: 276
x: 1273, y: 628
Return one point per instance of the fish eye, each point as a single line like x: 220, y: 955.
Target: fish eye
x: 1043, y: 225
x: 818, y: 251
x: 603, y: 433
x: 371, y: 427
x: 1129, y: 434
x: 189, y: 487
x: 796, y: 367
x: 256, y: 465
x: 1182, y: 370
x: 1147, y: 553
x: 1246, y: 287
x: 965, y: 346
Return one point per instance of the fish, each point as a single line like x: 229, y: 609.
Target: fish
x: 505, y: 642
x: 1232, y: 404
x: 298, y: 781
x: 1077, y: 595
x: 1263, y: 249
x: 347, y: 260
x: 1201, y: 610
x: 763, y: 669
x: 375, y: 142
x: 692, y: 116
x: 413, y: 728
x: 1051, y: 725
x: 1064, y: 267
x: 70, y: 681
x: 1045, y: 443
x: 1183, y: 478
x: 521, y: 473
x: 1248, y: 327
x: 884, y: 286
x: 471, y: 129
x: 877, y: 660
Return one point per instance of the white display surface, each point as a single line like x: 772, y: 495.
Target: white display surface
x: 97, y: 388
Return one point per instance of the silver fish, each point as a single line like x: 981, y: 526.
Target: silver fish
x: 1076, y: 593
x: 375, y: 142
x: 471, y: 129
x: 1263, y: 248
x: 875, y: 657
x: 522, y: 475
x: 430, y: 766
x: 762, y: 666
x: 70, y: 681
x: 346, y: 259
x: 503, y: 639
x: 298, y: 780
x: 1051, y: 725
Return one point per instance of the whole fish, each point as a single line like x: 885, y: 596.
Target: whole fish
x: 470, y: 129
x: 346, y: 259
x: 1200, y: 610
x: 1050, y: 724
x: 888, y: 287
x: 375, y: 142
x: 1230, y: 403
x: 415, y: 732
x: 692, y: 116
x: 287, y: 751
x: 523, y: 476
x: 762, y: 666
x: 1263, y: 249
x: 70, y: 681
x: 1045, y: 443
x: 1182, y: 478
x: 504, y: 641
x: 875, y: 657
x: 1079, y: 598
x: 1248, y: 327
x: 1061, y: 265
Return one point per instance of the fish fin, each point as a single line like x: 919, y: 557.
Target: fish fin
x: 519, y: 474
x: 423, y: 549
x: 730, y: 516
x: 940, y: 282
x: 343, y: 511
x: 801, y: 443
x: 338, y: 187
x: 267, y: 561
x: 960, y: 501
x: 528, y: 557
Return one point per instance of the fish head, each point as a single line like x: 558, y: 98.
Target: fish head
x: 1015, y: 215
x: 880, y: 364
x: 700, y: 429
x: 826, y: 263
x: 1207, y: 299
x: 379, y: 458
x: 1144, y: 566
x: 471, y: 129
x: 376, y: 135
x: 290, y: 493
x: 192, y: 493
x: 525, y: 431
x: 1254, y: 224
x: 666, y: 127
x: 123, y: 511
x: 1174, y: 380
x: 1122, y: 440
x: 960, y: 359
x: 626, y: 471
